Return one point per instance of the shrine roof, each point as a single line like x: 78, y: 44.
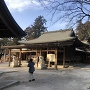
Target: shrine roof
x: 53, y: 36
x: 8, y: 26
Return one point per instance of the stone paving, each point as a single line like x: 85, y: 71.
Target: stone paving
x: 4, y: 83
x: 77, y: 78
x: 7, y: 83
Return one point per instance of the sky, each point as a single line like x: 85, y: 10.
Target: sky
x: 26, y: 11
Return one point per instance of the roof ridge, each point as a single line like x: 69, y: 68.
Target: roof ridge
x: 58, y: 31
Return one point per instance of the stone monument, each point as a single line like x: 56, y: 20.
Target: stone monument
x: 14, y: 62
x: 41, y: 63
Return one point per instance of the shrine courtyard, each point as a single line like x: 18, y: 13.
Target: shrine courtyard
x: 73, y: 78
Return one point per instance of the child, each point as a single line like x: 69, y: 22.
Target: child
x: 31, y: 69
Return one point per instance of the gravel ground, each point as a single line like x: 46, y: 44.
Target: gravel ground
x: 63, y: 79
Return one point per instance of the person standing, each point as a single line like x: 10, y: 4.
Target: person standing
x: 31, y: 69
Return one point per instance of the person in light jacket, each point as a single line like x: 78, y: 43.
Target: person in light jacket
x: 31, y: 69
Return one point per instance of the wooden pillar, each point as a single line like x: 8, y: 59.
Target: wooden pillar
x: 9, y: 56
x: 40, y: 52
x: 4, y: 55
x: 26, y: 57
x: 64, y: 57
x: 48, y: 61
x: 20, y: 58
x: 30, y: 55
x: 23, y: 55
x: 56, y: 58
x: 47, y: 50
x: 86, y: 55
x: 37, y: 57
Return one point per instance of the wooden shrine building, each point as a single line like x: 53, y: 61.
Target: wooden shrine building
x: 57, y: 48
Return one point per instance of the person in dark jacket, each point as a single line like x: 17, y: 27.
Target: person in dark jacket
x: 31, y: 69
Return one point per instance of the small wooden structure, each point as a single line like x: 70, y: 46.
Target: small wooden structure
x: 57, y: 44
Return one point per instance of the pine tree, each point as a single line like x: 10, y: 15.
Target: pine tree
x: 35, y: 30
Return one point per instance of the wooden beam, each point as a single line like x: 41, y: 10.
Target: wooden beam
x: 48, y: 50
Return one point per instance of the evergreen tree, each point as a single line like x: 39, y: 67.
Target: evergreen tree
x: 83, y: 30
x: 4, y: 41
x: 15, y: 41
x: 35, y: 30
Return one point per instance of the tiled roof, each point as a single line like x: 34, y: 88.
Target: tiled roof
x: 8, y: 26
x: 53, y: 36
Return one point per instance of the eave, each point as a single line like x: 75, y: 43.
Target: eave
x: 8, y: 26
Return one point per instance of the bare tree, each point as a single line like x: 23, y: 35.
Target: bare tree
x: 68, y: 10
